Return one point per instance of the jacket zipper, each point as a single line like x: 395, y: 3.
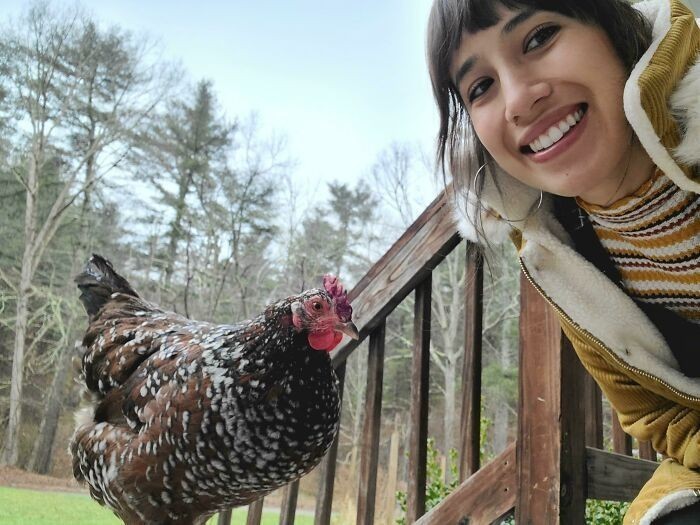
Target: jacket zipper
x: 597, y: 342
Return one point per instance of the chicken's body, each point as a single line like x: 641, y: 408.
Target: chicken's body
x: 193, y: 417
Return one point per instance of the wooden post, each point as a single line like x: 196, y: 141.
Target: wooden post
x: 594, y: 412
x: 255, y: 512
x: 324, y: 499
x: 646, y: 451
x: 370, y: 427
x: 420, y: 377
x: 392, y: 472
x: 289, y: 503
x: 470, y: 437
x: 551, y: 454
x: 224, y: 517
x: 622, y: 442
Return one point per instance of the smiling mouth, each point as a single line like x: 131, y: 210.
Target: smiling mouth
x: 556, y: 132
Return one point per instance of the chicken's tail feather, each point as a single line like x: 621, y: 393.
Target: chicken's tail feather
x: 98, y: 281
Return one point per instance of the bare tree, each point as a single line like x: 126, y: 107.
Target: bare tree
x: 44, y: 90
x: 239, y: 219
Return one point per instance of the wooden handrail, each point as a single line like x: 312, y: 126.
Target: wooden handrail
x: 616, y: 477
x: 481, y: 498
x: 554, y: 465
x: 423, y: 245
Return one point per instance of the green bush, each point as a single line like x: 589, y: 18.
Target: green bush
x: 435, y: 487
x: 598, y: 512
x: 602, y: 512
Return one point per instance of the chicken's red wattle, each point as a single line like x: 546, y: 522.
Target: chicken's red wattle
x: 326, y: 340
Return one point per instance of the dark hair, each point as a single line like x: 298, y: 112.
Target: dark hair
x: 457, y: 145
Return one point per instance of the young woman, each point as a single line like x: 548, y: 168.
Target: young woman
x: 574, y: 128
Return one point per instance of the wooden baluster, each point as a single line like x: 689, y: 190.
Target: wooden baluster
x: 594, y: 413
x: 470, y: 435
x: 255, y: 512
x: 370, y: 427
x: 551, y: 451
x: 420, y: 377
x: 224, y: 517
x: 324, y: 499
x: 622, y: 442
x: 289, y: 503
x: 646, y: 451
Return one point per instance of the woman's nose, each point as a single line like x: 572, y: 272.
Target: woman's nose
x: 521, y: 97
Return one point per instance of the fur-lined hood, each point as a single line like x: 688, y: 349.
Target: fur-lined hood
x: 592, y: 301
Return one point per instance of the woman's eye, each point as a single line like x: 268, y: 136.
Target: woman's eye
x: 540, y: 37
x: 479, y: 88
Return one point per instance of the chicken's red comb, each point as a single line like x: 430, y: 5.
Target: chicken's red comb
x: 340, y: 297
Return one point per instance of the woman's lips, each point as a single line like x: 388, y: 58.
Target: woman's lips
x: 563, y: 144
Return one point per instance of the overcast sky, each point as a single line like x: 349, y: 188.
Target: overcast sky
x: 341, y: 80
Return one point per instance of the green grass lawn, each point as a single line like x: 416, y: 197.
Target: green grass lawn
x: 33, y: 507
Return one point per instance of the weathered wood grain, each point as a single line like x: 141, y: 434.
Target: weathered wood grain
x: 255, y: 510
x: 369, y: 458
x: 551, y: 429
x: 420, y: 249
x: 420, y: 385
x: 470, y: 435
x: 594, y: 412
x: 622, y: 442
x: 324, y: 499
x: 482, y: 498
x: 289, y: 503
x: 646, y: 451
x: 224, y: 517
x: 616, y: 477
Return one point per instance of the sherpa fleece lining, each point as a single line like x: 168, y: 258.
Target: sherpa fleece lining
x: 667, y: 504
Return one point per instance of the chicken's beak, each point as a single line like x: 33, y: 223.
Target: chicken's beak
x: 348, y: 329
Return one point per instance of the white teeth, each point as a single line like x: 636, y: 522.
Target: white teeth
x: 556, y: 132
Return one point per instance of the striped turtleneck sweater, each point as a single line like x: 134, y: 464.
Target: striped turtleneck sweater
x: 653, y: 238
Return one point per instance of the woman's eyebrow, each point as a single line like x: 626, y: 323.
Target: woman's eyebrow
x: 466, y: 66
x: 517, y: 20
x: 508, y: 27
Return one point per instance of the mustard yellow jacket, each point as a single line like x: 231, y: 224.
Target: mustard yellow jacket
x: 616, y: 342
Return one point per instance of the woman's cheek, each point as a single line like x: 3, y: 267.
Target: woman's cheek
x: 490, y: 135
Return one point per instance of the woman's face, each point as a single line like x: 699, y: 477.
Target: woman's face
x: 544, y: 94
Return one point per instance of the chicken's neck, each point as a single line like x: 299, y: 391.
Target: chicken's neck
x: 268, y: 355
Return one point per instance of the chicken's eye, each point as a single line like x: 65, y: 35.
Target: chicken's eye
x: 316, y: 306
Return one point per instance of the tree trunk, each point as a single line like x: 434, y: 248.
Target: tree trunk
x: 450, y: 379
x: 500, y: 428
x: 10, y: 453
x: 176, y: 233
x: 40, y: 460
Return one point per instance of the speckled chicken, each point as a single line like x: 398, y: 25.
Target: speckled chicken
x: 191, y: 417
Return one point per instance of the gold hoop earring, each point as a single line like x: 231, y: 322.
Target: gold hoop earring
x: 510, y: 221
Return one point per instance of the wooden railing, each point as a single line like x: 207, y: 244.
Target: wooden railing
x: 556, y: 461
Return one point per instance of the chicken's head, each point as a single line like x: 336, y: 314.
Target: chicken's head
x: 325, y: 315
